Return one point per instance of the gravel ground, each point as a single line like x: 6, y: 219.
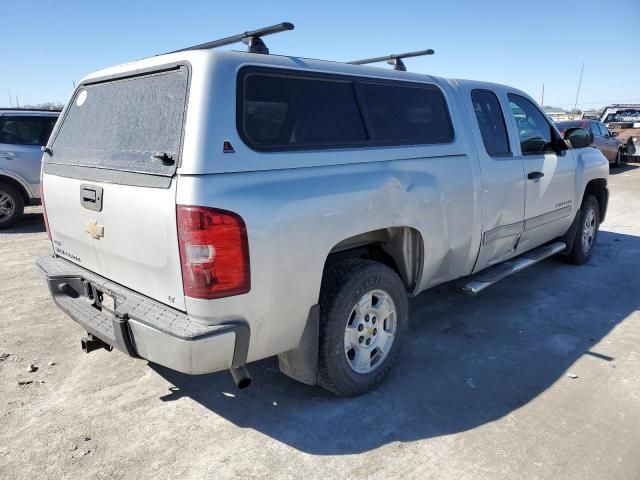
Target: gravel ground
x: 538, y: 377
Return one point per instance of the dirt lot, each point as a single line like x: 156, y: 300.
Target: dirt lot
x: 484, y: 388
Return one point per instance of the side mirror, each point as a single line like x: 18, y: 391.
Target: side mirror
x: 578, y: 137
x: 615, y: 134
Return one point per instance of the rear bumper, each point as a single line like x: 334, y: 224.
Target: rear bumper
x: 142, y: 327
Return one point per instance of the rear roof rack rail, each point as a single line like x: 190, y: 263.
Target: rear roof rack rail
x: 252, y: 39
x: 395, y: 60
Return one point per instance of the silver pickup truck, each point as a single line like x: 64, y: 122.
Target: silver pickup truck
x: 209, y: 208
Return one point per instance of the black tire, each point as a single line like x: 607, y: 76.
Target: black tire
x: 579, y: 254
x: 343, y: 285
x: 13, y: 200
x: 618, y: 161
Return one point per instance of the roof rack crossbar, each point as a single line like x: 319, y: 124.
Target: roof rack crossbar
x: 252, y: 39
x: 395, y: 59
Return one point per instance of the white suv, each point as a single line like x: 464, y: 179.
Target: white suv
x: 211, y: 208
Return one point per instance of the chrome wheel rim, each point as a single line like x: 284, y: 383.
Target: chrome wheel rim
x: 589, y: 230
x: 7, y: 206
x: 370, y: 331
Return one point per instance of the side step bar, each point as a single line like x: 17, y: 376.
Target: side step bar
x: 485, y: 278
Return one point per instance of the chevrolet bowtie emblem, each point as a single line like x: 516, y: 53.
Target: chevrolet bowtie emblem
x: 93, y: 229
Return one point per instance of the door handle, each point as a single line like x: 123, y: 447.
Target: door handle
x: 535, y: 175
x: 91, y: 197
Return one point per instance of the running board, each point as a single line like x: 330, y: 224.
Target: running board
x: 485, y: 278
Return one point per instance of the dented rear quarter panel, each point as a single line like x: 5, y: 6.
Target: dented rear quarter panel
x: 295, y: 217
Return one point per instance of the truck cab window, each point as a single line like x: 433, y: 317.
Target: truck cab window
x: 534, y: 130
x: 491, y: 122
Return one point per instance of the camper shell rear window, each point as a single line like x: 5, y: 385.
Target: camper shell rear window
x: 124, y: 123
x: 281, y: 110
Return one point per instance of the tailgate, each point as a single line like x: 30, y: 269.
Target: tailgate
x: 110, y: 185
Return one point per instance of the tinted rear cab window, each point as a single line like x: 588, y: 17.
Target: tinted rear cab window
x: 491, y: 122
x: 121, y: 124
x: 282, y: 110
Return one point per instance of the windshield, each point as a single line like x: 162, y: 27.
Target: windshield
x: 627, y: 115
x: 122, y: 124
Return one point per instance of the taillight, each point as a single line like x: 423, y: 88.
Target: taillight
x: 44, y: 209
x: 214, y: 252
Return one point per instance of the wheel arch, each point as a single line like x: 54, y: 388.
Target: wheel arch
x: 598, y: 188
x: 400, y: 248
x: 4, y: 178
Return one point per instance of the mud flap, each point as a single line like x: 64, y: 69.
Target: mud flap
x: 301, y: 363
x: 570, y: 236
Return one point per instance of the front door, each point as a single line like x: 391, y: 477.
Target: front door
x: 549, y: 175
x: 503, y: 188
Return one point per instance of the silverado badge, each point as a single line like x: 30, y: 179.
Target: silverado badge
x: 93, y: 229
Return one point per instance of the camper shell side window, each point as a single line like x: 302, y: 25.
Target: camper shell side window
x: 284, y: 110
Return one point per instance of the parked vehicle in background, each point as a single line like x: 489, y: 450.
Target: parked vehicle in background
x: 591, y: 115
x: 624, y: 120
x: 276, y: 205
x: 23, y: 132
x: 604, y: 140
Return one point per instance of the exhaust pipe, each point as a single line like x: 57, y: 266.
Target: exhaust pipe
x: 91, y: 343
x: 240, y: 376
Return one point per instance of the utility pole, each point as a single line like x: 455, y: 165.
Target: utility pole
x: 10, y: 99
x: 542, y: 102
x: 575, y: 106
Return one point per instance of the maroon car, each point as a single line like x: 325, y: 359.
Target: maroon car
x: 603, y: 139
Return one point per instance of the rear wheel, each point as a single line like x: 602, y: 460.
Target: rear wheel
x: 586, y: 233
x: 11, y: 206
x: 363, y: 322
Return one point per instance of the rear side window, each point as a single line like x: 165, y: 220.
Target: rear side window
x: 402, y: 114
x: 121, y: 124
x: 287, y: 112
x: 491, y: 122
x: 26, y: 130
x: 279, y: 110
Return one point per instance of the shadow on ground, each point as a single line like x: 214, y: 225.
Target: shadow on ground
x: 31, y: 222
x: 625, y: 167
x: 468, y: 360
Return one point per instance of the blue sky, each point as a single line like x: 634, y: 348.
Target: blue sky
x: 47, y: 45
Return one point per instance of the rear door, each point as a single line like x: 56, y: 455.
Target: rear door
x: 549, y: 175
x: 502, y: 179
x: 109, y: 182
x: 21, y: 137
